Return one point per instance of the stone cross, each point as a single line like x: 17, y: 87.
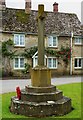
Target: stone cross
x: 40, y: 18
x: 41, y: 75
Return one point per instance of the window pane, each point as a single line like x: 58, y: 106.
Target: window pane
x: 50, y: 41
x: 75, y: 63
x: 49, y: 62
x: 54, y: 62
x: 16, y: 39
x: 36, y: 61
x: 80, y: 62
x: 16, y: 62
x: 21, y: 39
x: 21, y: 62
x: 54, y: 41
x: 76, y: 40
x: 79, y: 40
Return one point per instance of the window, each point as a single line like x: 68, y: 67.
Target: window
x: 35, y: 61
x: 19, y: 63
x: 78, y: 41
x: 78, y: 63
x: 52, y: 41
x: 52, y: 63
x: 19, y: 40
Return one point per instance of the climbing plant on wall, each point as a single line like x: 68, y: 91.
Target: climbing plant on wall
x: 28, y: 53
x: 64, y: 53
x: 7, y: 54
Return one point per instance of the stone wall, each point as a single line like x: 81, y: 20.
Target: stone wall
x: 77, y: 52
x: 32, y: 40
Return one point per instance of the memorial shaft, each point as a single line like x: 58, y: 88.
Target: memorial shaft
x: 41, y: 75
x: 41, y: 35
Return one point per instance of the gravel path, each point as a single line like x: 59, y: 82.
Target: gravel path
x: 10, y: 85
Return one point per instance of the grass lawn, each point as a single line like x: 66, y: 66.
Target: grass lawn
x: 71, y: 90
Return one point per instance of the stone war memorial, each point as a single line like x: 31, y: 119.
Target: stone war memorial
x: 41, y: 99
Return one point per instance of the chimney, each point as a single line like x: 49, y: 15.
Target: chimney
x: 27, y: 6
x: 2, y: 5
x: 55, y: 7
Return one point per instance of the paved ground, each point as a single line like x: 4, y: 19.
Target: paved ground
x: 10, y: 85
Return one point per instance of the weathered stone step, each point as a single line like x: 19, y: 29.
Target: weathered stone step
x: 40, y: 89
x: 41, y: 97
x: 41, y: 109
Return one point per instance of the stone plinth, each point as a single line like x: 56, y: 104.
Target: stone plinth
x: 41, y: 97
x: 49, y: 89
x: 41, y: 77
x: 41, y: 102
x: 41, y: 109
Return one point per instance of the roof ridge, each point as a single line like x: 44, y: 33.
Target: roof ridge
x: 45, y: 11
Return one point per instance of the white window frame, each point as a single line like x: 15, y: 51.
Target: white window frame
x: 78, y: 63
x: 50, y: 41
x: 19, y: 38
x: 34, y: 62
x: 52, y: 63
x: 19, y: 68
x: 78, y: 41
x: 35, y: 56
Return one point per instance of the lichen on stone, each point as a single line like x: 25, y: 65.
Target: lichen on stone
x: 22, y: 16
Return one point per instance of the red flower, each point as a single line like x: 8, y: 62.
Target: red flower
x: 60, y: 52
x: 68, y: 56
x: 18, y: 91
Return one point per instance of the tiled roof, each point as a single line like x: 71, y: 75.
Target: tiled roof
x: 82, y: 29
x: 55, y: 23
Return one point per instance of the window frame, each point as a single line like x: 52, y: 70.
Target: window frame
x: 19, y: 40
x: 19, y: 68
x: 52, y: 63
x: 78, y: 43
x: 34, y: 61
x: 35, y: 56
x: 78, y: 63
x: 55, y: 46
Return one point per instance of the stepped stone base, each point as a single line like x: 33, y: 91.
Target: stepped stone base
x: 31, y: 89
x: 41, y: 102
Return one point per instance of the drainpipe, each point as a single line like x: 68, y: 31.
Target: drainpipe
x: 71, y: 53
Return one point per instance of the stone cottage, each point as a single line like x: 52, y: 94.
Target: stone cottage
x: 62, y: 30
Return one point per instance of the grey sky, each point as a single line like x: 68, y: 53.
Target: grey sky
x: 68, y: 6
